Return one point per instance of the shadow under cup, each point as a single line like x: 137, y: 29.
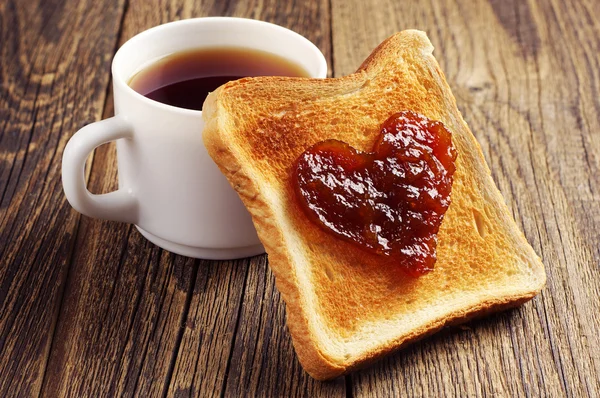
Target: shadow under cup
x: 182, y: 201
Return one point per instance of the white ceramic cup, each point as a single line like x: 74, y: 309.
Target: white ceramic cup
x: 168, y: 185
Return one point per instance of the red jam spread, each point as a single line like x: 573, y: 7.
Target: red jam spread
x: 390, y: 201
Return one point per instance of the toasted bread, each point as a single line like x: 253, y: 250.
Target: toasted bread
x: 343, y: 310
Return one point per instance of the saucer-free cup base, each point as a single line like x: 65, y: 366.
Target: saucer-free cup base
x: 201, y: 252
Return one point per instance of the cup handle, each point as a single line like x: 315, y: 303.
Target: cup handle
x: 120, y: 205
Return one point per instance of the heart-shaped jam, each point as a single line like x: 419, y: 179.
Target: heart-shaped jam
x: 390, y: 201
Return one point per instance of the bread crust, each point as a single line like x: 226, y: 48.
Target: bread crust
x: 256, y: 127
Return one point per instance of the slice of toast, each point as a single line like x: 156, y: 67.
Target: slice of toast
x: 344, y: 309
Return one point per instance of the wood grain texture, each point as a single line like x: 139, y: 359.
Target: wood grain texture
x: 525, y: 75
x: 263, y: 355
x: 52, y: 60
x: 90, y: 308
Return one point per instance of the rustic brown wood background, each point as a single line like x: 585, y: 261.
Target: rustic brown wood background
x: 90, y: 308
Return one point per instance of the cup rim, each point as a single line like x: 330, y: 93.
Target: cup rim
x: 122, y: 84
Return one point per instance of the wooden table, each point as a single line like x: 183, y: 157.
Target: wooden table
x: 90, y: 308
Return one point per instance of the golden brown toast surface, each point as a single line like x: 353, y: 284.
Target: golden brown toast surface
x: 345, y: 309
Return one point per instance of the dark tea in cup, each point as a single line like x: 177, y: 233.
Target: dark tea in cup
x: 184, y: 79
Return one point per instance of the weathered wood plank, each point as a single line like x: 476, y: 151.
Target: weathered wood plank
x: 51, y: 58
x: 263, y: 362
x: 525, y: 74
x: 200, y: 366
x: 122, y: 316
